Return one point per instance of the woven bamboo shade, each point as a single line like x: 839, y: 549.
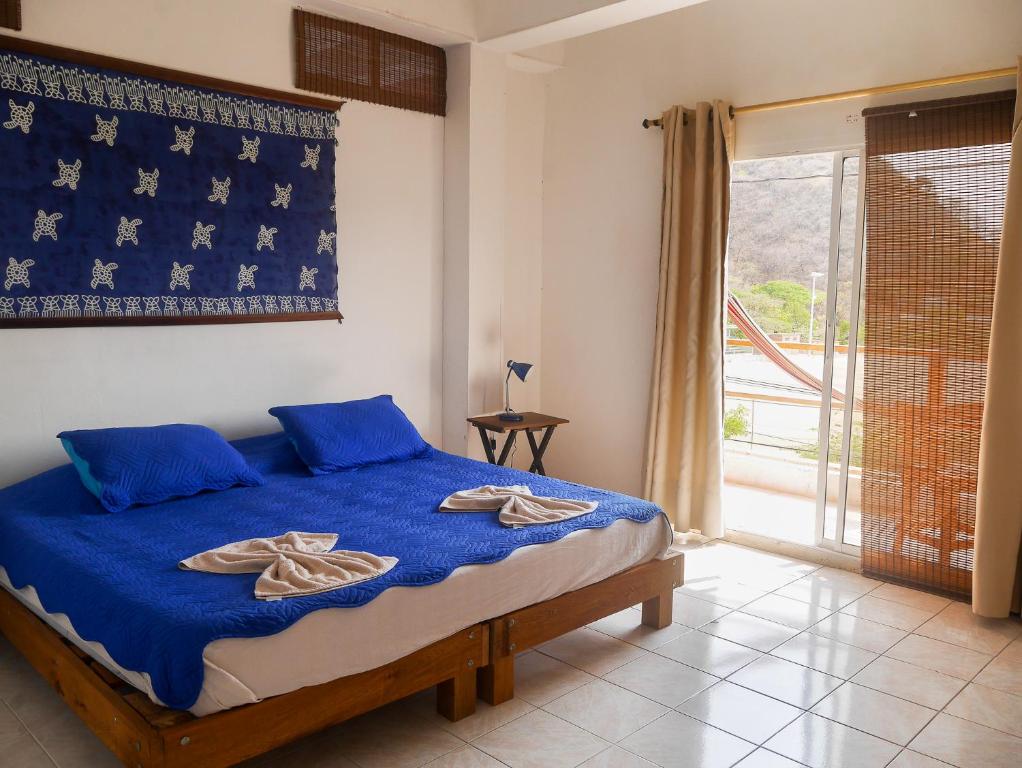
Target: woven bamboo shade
x: 10, y: 14
x: 936, y: 178
x: 358, y: 62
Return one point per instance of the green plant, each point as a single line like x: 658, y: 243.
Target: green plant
x: 778, y: 306
x: 843, y: 328
x: 736, y: 422
x: 834, y: 454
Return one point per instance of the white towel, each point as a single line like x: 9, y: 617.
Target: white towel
x: 293, y: 565
x: 518, y: 507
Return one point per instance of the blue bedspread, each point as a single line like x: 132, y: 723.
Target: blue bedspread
x: 116, y: 575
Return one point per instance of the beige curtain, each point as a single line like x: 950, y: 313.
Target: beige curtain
x: 997, y: 569
x: 684, y: 460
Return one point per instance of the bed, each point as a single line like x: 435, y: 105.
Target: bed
x: 166, y: 665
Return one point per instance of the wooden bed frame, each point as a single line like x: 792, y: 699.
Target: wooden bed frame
x: 144, y: 735
x: 651, y: 584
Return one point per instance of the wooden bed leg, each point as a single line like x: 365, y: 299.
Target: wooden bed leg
x: 456, y: 698
x: 658, y: 611
x: 497, y: 680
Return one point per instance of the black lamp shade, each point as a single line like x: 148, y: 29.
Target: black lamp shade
x: 521, y: 370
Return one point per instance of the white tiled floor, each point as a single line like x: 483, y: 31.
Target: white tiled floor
x: 772, y: 663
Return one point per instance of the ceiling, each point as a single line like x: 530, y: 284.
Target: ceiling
x: 509, y: 27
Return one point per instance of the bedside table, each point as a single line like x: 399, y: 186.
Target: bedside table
x: 530, y: 424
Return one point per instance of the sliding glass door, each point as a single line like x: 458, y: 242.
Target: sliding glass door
x: 839, y: 473
x: 793, y: 418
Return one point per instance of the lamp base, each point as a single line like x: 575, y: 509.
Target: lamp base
x: 511, y: 416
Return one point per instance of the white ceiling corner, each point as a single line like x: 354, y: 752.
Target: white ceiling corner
x: 437, y: 22
x: 515, y: 27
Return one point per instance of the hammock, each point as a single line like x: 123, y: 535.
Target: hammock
x: 760, y: 341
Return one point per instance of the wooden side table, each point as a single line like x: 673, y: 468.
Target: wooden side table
x: 530, y: 424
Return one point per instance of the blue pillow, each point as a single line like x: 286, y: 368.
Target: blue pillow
x: 333, y: 436
x: 126, y: 466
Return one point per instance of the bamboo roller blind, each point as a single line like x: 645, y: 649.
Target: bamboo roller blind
x: 936, y: 179
x: 10, y: 14
x: 351, y: 60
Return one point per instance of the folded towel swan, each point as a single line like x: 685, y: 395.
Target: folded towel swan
x: 294, y: 564
x: 518, y: 506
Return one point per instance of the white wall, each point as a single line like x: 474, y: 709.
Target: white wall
x: 493, y: 163
x: 523, y: 233
x: 563, y: 212
x: 390, y: 211
x: 601, y: 207
x: 486, y: 237
x: 473, y: 240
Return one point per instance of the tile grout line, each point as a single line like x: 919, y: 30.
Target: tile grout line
x: 878, y: 656
x: 699, y: 628
x: 917, y: 752
x: 599, y: 677
x: 754, y: 745
x: 408, y: 713
x: 910, y: 632
x: 491, y: 730
x: 474, y: 746
x: 662, y: 715
x: 615, y: 743
x: 839, y: 610
x: 30, y: 733
x: 730, y: 610
x: 576, y: 725
x: 902, y: 698
x: 903, y: 747
x: 844, y: 681
x: 485, y: 753
x: 976, y: 722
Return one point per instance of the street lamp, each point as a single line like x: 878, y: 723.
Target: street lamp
x: 812, y: 304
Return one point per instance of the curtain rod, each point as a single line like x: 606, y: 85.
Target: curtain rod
x: 968, y: 77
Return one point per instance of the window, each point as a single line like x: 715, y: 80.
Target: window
x: 10, y: 14
x: 351, y: 60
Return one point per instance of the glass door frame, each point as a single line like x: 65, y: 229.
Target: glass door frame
x: 823, y: 468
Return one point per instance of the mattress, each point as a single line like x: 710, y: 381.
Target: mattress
x: 336, y: 642
x: 111, y: 581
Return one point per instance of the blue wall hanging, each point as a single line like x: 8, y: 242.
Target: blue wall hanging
x: 136, y: 195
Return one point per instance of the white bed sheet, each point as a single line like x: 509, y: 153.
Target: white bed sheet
x: 335, y: 642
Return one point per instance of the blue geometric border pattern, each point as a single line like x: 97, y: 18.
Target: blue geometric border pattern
x: 131, y: 197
